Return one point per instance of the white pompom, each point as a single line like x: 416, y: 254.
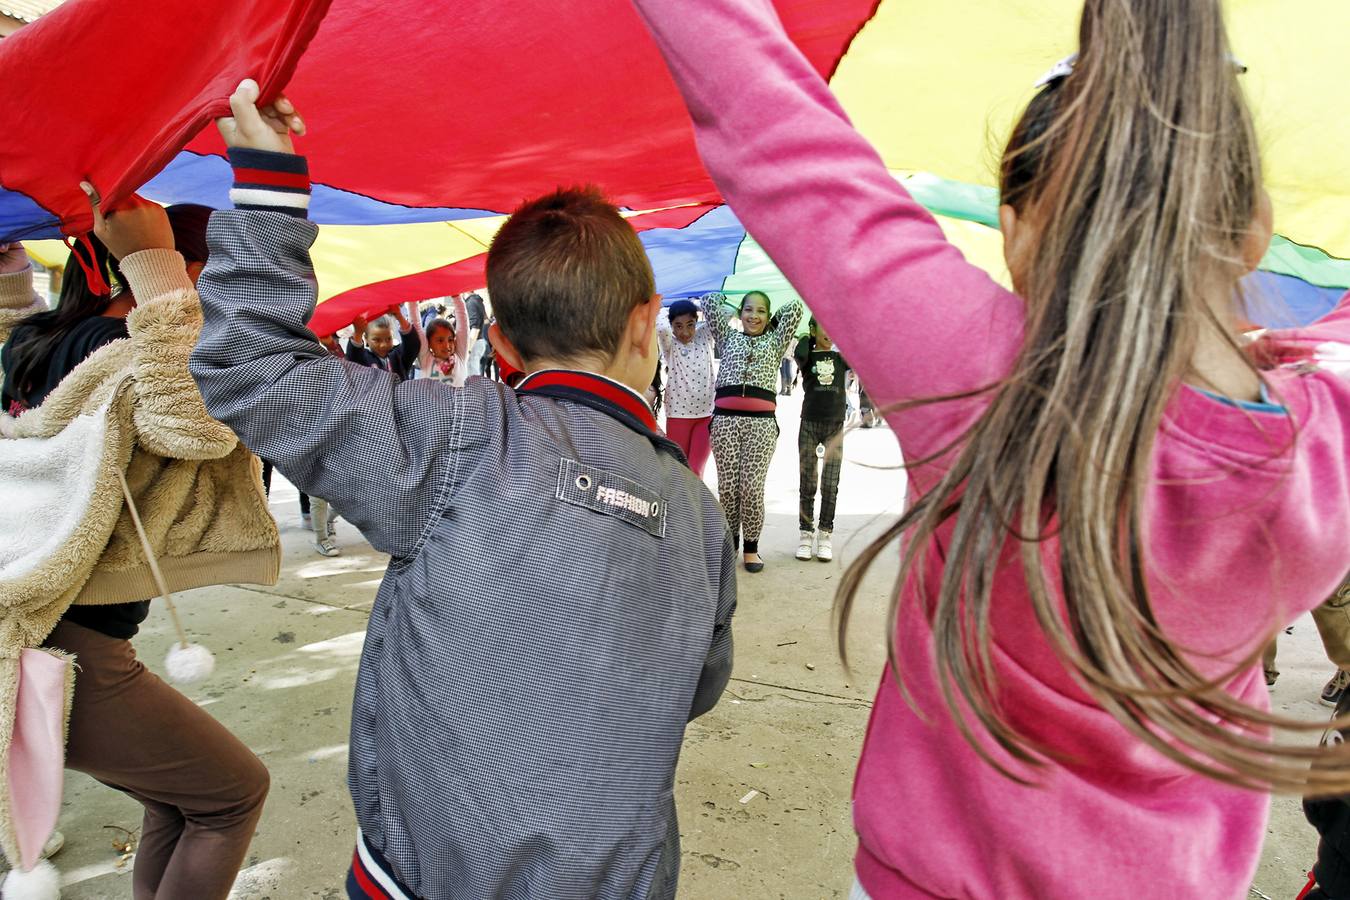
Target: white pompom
x: 42, y: 882
x: 188, y: 664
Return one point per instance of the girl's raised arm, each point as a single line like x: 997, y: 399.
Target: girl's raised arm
x: 874, y: 267
x: 461, y: 331
x: 717, y: 315
x: 424, y: 360
x: 785, y: 324
x: 664, y: 336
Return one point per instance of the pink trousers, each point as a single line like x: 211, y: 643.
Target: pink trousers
x: 692, y: 436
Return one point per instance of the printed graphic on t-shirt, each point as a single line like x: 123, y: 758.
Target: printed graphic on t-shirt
x: 825, y: 371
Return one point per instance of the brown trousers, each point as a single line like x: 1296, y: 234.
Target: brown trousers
x: 1333, y: 625
x: 202, y: 789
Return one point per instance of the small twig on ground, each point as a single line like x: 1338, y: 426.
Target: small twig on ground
x: 851, y: 704
x: 123, y: 846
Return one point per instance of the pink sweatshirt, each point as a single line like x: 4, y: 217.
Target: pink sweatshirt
x: 1240, y: 540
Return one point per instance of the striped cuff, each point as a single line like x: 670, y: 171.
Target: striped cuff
x: 276, y: 182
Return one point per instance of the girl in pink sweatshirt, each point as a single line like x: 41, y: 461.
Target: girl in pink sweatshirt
x: 1112, y: 507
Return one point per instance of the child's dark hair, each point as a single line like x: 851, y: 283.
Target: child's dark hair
x: 564, y: 272
x: 765, y: 297
x: 435, y: 325
x: 45, y: 331
x: 683, y: 308
x: 189, y: 221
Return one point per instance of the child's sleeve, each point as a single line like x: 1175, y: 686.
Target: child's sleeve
x: 914, y: 317
x: 461, y: 332
x: 717, y: 667
x: 718, y: 317
x: 411, y: 344
x: 423, y: 354
x: 663, y: 332
x: 170, y: 416
x: 379, y: 450
x: 785, y: 325
x: 18, y: 300
x: 703, y: 335
x: 357, y: 352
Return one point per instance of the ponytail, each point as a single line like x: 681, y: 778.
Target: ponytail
x: 1140, y: 171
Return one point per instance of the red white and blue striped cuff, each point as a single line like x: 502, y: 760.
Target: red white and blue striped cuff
x: 276, y: 182
x: 370, y: 877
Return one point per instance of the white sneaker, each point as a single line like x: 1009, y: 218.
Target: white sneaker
x: 825, y: 547
x: 806, y: 545
x: 326, y: 547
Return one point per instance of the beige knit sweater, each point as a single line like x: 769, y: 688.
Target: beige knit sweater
x: 66, y: 536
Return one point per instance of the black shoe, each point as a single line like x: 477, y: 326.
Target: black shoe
x: 1335, y: 688
x: 754, y: 568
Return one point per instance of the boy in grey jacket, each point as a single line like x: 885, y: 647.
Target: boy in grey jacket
x: 518, y: 740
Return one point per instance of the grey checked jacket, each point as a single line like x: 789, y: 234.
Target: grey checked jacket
x: 533, y: 656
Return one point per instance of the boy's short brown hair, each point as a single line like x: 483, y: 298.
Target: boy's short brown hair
x: 564, y: 273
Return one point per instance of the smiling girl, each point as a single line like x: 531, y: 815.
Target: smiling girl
x: 745, y: 424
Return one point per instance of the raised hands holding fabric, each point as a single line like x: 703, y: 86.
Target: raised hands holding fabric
x: 359, y: 326
x: 269, y: 128
x: 404, y: 323
x: 138, y: 225
x: 13, y: 258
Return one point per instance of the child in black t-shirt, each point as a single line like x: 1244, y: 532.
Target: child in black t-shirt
x: 823, y: 411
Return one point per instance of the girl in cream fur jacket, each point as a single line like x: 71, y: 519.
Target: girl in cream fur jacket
x: 72, y: 564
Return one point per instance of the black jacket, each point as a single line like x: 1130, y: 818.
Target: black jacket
x: 402, y: 360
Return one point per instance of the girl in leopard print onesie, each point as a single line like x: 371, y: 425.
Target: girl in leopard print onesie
x: 744, y: 425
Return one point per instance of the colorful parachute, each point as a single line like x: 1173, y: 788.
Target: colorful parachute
x: 425, y: 129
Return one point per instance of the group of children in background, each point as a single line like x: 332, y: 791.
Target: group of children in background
x: 700, y: 397
x: 731, y: 411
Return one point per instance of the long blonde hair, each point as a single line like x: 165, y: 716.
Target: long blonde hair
x: 1143, y: 169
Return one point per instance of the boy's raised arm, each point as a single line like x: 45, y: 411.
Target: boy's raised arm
x: 871, y: 263
x: 336, y: 430
x: 411, y: 337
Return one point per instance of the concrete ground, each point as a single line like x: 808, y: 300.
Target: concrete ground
x: 764, y: 780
